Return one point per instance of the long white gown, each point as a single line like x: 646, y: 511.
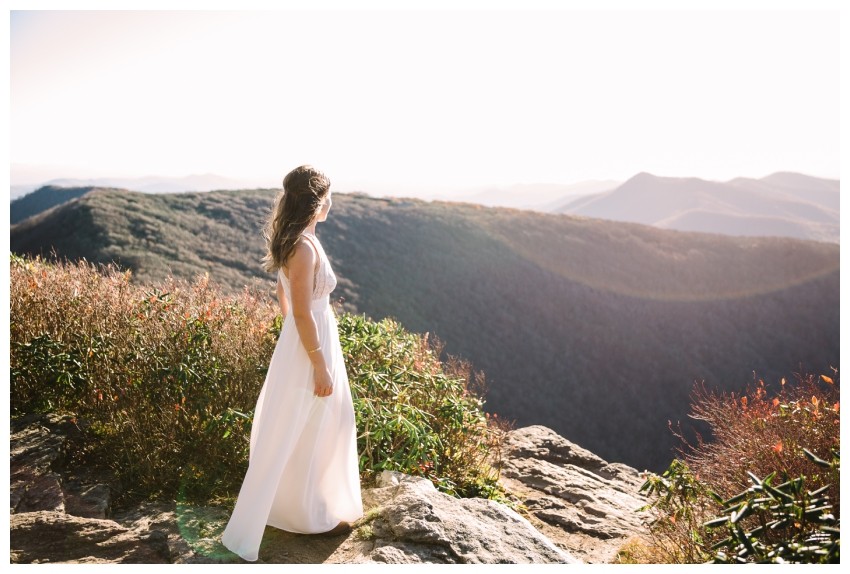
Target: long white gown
x: 303, y: 467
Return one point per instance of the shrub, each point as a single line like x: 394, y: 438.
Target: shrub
x: 419, y: 415
x: 163, y: 379
x: 760, y: 432
x: 792, y: 438
x: 789, y: 524
x: 680, y: 504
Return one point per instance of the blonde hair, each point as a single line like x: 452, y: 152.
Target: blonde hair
x: 304, y: 192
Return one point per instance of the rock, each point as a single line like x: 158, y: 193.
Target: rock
x: 29, y: 493
x: 416, y: 523
x: 48, y: 536
x: 87, y: 500
x: 579, y: 508
x: 191, y: 532
x: 36, y: 449
x: 38, y: 441
x: 583, y: 503
x: 58, y: 514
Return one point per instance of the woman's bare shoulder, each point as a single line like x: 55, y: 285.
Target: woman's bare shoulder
x: 303, y: 256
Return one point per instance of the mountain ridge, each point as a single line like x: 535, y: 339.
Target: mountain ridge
x: 45, y: 198
x: 781, y: 204
x: 594, y: 328
x: 146, y: 184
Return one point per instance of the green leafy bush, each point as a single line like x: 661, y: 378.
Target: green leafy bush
x: 789, y: 523
x: 416, y: 413
x: 679, y: 506
x: 163, y: 380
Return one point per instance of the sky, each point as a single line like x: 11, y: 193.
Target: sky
x: 425, y: 101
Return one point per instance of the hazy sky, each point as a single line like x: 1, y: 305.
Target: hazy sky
x: 427, y: 100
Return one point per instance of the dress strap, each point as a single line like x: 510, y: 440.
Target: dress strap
x: 313, y: 241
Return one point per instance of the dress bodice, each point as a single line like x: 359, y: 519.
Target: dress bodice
x: 324, y: 280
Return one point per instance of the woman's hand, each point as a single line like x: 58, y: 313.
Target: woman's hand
x: 322, y: 383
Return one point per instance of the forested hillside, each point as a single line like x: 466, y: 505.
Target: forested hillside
x: 595, y: 328
x: 43, y: 199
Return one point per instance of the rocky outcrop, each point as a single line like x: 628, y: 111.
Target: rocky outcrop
x: 52, y: 536
x: 36, y: 461
x: 36, y: 450
x: 577, y: 508
x: 412, y: 522
x: 584, y: 504
x: 60, y: 514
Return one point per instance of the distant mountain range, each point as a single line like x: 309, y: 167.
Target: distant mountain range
x: 535, y: 196
x: 151, y: 184
x: 597, y: 329
x: 782, y: 204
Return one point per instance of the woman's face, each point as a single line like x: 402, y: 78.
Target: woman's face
x: 326, y: 207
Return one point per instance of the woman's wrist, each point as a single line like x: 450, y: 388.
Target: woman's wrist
x: 315, y: 355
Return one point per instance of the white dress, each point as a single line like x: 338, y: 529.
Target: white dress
x: 303, y: 466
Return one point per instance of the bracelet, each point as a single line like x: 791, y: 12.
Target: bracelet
x: 319, y: 348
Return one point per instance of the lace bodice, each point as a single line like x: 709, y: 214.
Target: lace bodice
x: 324, y: 279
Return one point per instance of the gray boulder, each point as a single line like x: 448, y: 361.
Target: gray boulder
x: 583, y: 503
x: 412, y: 522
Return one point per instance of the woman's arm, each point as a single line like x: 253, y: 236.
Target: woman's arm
x: 301, y: 266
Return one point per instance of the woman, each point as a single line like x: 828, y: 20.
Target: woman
x: 302, y: 472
